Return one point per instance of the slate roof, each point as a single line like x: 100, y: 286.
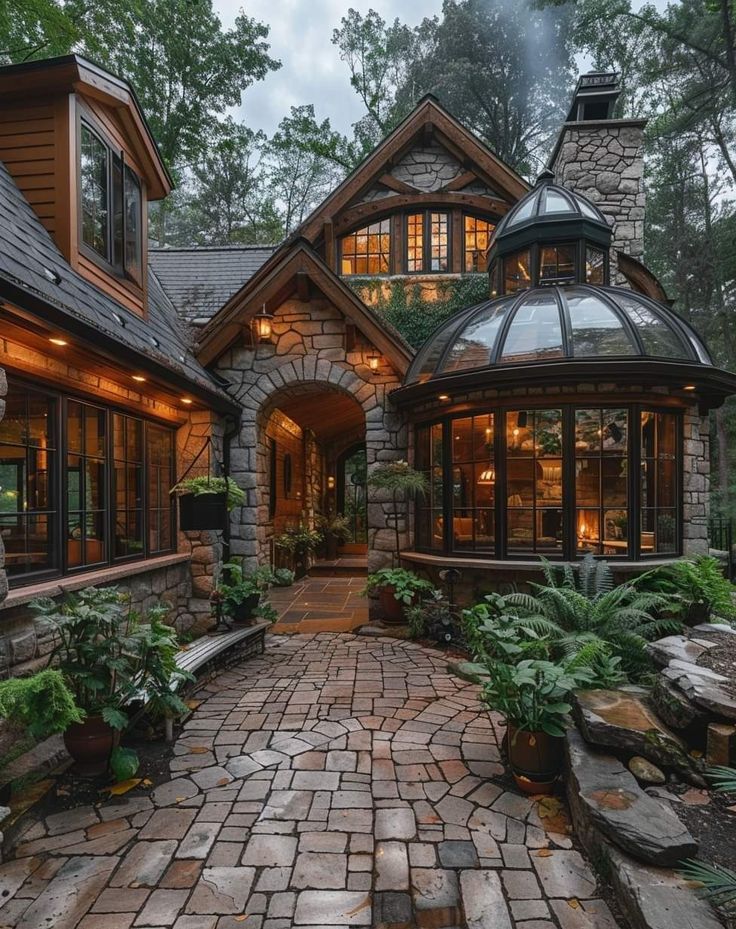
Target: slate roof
x: 31, y: 263
x: 200, y: 280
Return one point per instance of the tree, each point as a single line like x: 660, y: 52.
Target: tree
x: 226, y: 199
x: 35, y: 28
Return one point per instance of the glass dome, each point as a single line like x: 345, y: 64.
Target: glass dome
x: 548, y: 324
x: 551, y: 203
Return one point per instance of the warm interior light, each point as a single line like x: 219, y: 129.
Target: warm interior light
x: 373, y: 360
x: 139, y: 378
x: 187, y: 400
x: 57, y: 341
x: 689, y: 387
x: 330, y: 482
x: 487, y: 477
x: 263, y: 324
x: 443, y: 397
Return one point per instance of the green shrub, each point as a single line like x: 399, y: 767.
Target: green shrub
x: 42, y: 704
x: 207, y: 484
x: 407, y: 585
x: 692, y: 581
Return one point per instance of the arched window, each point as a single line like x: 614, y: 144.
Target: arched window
x: 367, y: 250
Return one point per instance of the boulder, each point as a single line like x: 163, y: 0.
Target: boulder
x: 645, y: 772
x: 675, y: 646
x: 675, y: 709
x: 608, y: 796
x: 622, y: 720
x: 702, y: 687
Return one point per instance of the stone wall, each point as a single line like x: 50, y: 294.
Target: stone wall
x: 26, y: 642
x: 604, y: 161
x: 696, y: 482
x: 308, y: 348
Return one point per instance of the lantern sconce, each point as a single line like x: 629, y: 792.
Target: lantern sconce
x: 262, y: 323
x: 373, y: 360
x: 330, y: 482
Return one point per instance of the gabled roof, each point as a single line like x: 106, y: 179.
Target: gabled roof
x: 200, y: 280
x: 49, y: 76
x: 429, y: 117
x: 291, y: 266
x: 35, y: 275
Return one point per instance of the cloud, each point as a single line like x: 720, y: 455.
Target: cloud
x: 311, y: 70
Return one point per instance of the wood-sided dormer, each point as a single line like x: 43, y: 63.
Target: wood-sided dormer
x: 75, y: 140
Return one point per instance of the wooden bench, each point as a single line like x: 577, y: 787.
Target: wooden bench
x: 219, y: 650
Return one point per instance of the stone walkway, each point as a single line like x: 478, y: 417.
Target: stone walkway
x: 320, y: 604
x: 336, y: 781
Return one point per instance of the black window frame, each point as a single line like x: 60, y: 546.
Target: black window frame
x: 426, y: 213
x: 364, y: 228
x: 491, y: 222
x: 113, y: 261
x: 569, y: 551
x: 58, y: 534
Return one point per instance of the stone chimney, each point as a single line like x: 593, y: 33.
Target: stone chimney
x: 601, y: 157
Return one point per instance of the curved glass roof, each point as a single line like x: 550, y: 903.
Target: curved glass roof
x: 556, y: 324
x: 551, y: 202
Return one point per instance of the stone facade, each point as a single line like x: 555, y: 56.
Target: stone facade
x: 604, y: 162
x: 308, y: 350
x: 696, y: 482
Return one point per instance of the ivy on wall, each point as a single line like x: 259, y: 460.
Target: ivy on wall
x: 416, y: 307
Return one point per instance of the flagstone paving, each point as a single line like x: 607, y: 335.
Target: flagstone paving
x: 334, y: 781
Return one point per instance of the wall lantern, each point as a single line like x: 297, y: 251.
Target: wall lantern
x: 373, y: 360
x: 262, y: 323
x: 330, y: 482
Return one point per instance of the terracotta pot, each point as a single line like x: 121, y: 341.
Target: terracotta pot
x: 392, y: 610
x: 90, y: 744
x: 535, y: 759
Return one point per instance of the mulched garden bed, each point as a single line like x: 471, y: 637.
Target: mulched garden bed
x: 721, y: 659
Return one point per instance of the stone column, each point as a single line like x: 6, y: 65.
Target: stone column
x: 603, y: 160
x: 696, y: 482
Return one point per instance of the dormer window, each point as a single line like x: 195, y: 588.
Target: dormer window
x: 111, y: 206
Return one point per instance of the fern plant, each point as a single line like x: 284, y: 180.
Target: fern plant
x: 717, y: 883
x: 722, y: 778
x: 498, y: 629
x: 693, y: 582
x: 42, y: 704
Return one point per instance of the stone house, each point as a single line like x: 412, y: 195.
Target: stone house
x: 124, y: 365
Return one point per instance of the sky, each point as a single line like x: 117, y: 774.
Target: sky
x: 311, y: 69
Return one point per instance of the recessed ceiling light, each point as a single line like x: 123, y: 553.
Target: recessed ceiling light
x: 689, y: 387
x: 443, y: 397
x: 186, y: 400
x: 138, y: 377
x: 57, y: 341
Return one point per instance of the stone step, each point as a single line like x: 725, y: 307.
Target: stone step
x: 607, y: 797
x: 336, y: 569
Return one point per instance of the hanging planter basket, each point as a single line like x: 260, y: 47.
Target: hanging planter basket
x: 202, y: 511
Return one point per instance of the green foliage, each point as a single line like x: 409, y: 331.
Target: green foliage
x: 533, y: 694
x: 156, y: 647
x: 124, y: 763
x: 723, y: 778
x: 496, y: 630
x: 298, y: 540
x: 208, y: 484
x: 283, y: 577
x: 691, y: 581
x: 717, y: 883
x: 411, y: 313
x: 336, y: 525
x: 41, y: 704
x: 407, y: 586
x: 402, y: 482
x: 433, y: 616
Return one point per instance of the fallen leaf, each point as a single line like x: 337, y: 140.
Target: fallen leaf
x: 147, y: 782
x: 359, y: 907
x: 544, y: 853
x: 222, y: 782
x: 123, y: 787
x: 573, y: 903
x: 193, y: 704
x: 198, y: 750
x: 180, y: 799
x: 695, y: 797
x: 241, y: 919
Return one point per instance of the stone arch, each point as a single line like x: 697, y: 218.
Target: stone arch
x: 385, y: 439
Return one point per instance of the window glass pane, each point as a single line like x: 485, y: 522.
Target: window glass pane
x: 117, y: 207
x: 27, y: 487
x: 659, y: 339
x: 535, y: 333
x: 474, y: 348
x: 473, y: 483
x: 439, y: 243
x: 594, y: 265
x: 94, y: 192
x: 160, y: 455
x: 86, y: 479
x: 659, y: 480
x: 524, y: 212
x: 127, y: 487
x: 478, y: 234
x: 555, y: 202
x: 516, y: 272
x: 462, y: 439
x: 415, y: 242
x: 367, y: 250
x: 132, y: 197
x: 557, y: 263
x: 596, y: 329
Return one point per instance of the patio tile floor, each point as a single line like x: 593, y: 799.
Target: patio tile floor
x: 320, y: 604
x: 334, y: 781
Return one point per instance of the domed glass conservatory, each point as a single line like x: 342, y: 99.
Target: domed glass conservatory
x: 565, y: 415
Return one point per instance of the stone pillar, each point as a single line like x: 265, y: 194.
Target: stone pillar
x: 603, y: 160
x: 3, y: 578
x: 205, y: 547
x: 696, y: 482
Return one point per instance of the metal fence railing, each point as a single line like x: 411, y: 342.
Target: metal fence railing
x: 720, y: 538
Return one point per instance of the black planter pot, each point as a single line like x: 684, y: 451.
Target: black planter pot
x: 202, y: 511
x: 300, y: 564
x: 243, y: 612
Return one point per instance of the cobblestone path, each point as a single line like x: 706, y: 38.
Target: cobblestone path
x: 336, y: 781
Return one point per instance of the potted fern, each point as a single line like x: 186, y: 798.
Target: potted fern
x: 205, y: 501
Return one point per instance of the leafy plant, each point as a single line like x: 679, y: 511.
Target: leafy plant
x: 41, y: 705
x: 157, y: 672
x: 401, y: 481
x: 283, y: 577
x: 124, y: 763
x: 691, y: 581
x: 496, y: 629
x: 433, y: 616
x: 239, y: 587
x: 336, y: 525
x: 298, y: 540
x: 533, y: 694
x: 406, y: 585
x: 717, y: 883
x: 207, y: 484
x: 723, y: 778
